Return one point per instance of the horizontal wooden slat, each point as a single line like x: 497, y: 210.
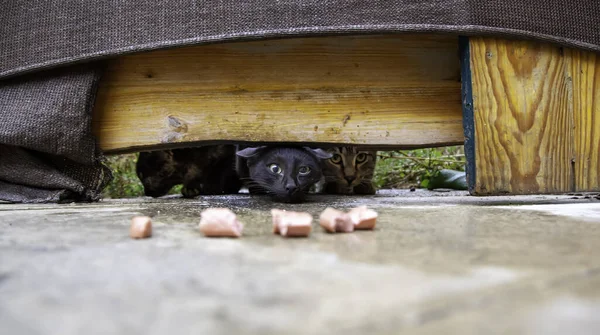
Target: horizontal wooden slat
x: 393, y: 90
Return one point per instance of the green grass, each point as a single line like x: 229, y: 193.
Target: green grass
x: 406, y: 168
x: 395, y: 169
x: 125, y: 182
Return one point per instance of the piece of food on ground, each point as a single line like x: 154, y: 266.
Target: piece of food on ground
x: 334, y: 221
x: 363, y: 217
x: 289, y: 223
x: 220, y: 222
x: 141, y: 227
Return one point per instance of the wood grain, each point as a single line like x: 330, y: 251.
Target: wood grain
x: 584, y: 84
x: 391, y: 91
x: 523, y: 117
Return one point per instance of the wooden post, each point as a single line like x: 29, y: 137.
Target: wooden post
x: 531, y: 117
x: 583, y: 79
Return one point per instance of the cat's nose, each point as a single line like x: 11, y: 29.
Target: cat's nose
x: 349, y: 179
x: 291, y: 187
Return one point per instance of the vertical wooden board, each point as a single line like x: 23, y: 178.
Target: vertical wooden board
x: 522, y: 117
x: 467, y: 109
x: 584, y: 79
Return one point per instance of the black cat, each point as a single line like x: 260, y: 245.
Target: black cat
x: 286, y: 173
x: 202, y: 170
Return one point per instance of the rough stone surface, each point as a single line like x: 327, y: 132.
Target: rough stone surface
x: 436, y: 263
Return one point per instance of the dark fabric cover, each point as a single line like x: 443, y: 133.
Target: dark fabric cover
x: 47, y: 151
x: 36, y: 34
x: 30, y: 177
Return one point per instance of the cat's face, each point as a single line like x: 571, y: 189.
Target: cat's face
x: 157, y: 171
x: 349, y: 167
x: 285, y: 173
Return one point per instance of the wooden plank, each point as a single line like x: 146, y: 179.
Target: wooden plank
x: 583, y: 80
x: 522, y: 117
x: 386, y: 91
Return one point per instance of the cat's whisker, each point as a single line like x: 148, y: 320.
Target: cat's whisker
x: 262, y: 186
x: 254, y: 184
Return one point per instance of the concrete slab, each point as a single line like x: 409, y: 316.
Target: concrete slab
x: 437, y: 262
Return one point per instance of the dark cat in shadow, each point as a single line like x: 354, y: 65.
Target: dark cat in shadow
x: 206, y: 170
x: 286, y: 173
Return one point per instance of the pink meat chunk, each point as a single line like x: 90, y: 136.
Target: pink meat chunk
x: 363, y: 217
x: 220, y: 222
x: 141, y: 227
x: 289, y: 223
x: 335, y: 221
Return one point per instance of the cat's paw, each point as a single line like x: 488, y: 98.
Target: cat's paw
x: 365, y: 188
x: 190, y: 192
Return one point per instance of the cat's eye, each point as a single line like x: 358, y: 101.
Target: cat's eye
x: 304, y: 170
x: 361, y: 157
x: 275, y: 168
x: 336, y: 159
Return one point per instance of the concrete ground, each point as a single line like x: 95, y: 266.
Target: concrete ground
x: 437, y: 263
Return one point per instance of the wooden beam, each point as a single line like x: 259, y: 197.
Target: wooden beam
x: 386, y: 91
x: 534, y: 108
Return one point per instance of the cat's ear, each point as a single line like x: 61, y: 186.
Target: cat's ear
x: 249, y: 152
x: 319, y: 153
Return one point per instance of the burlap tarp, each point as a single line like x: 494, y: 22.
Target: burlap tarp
x: 47, y: 151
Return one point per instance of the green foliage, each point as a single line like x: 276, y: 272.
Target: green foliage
x: 125, y: 183
x: 395, y: 169
x: 405, y: 168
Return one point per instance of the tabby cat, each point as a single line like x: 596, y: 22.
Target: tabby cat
x: 202, y: 170
x: 286, y: 173
x: 349, y: 171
